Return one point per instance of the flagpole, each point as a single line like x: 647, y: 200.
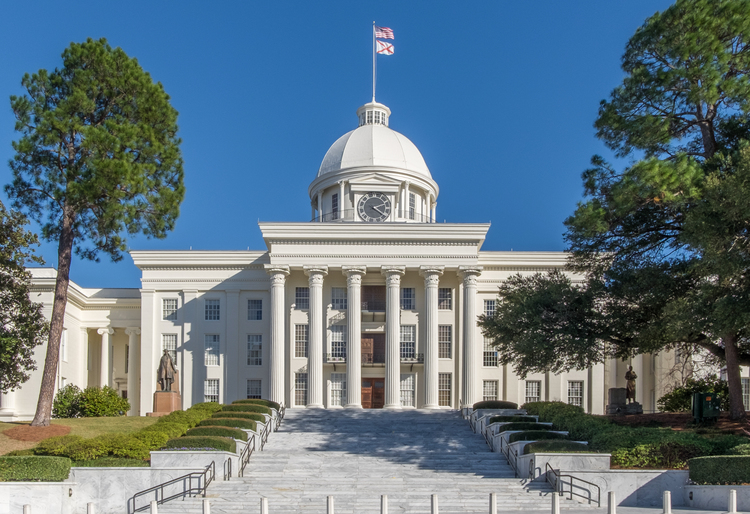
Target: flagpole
x: 374, y: 60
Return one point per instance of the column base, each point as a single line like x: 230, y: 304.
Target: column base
x: 316, y: 406
x: 432, y: 406
x: 393, y: 406
x: 353, y: 406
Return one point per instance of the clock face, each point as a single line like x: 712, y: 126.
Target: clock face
x: 374, y: 207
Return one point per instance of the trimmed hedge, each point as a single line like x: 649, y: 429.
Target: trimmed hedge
x: 55, y: 446
x: 495, y: 404
x: 265, y: 403
x: 225, y: 444
x: 244, y: 415
x: 524, y: 426
x: 234, y: 433
x: 670, y: 455
x: 229, y: 422
x: 513, y: 419
x: 171, y: 429
x: 741, y: 449
x: 556, y: 446
x: 34, y: 469
x: 208, y: 406
x: 247, y: 407
x: 534, y: 435
x: 720, y: 470
x: 111, y: 462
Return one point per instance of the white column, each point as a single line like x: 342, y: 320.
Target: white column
x: 431, y: 280
x: 133, y: 344
x: 434, y: 212
x: 278, y: 278
x: 316, y: 327
x: 150, y: 350
x: 83, y: 374
x: 472, y: 351
x: 312, y: 211
x: 104, y: 367
x: 354, y: 335
x: 392, y: 335
x: 406, y: 199
x: 234, y: 349
x: 7, y: 404
x: 428, y: 206
x: 320, y: 205
x: 341, y: 199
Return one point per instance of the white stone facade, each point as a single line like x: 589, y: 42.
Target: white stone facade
x: 372, y: 292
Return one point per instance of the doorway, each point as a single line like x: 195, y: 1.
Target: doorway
x: 373, y: 392
x: 373, y: 348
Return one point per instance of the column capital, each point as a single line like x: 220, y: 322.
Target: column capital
x: 105, y: 330
x: 427, y: 271
x: 353, y: 270
x: 316, y: 273
x: 469, y: 274
x: 133, y: 331
x: 391, y: 270
x: 407, y: 182
x: 275, y: 269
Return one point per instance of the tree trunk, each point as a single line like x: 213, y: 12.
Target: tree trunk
x: 47, y: 389
x: 736, y: 406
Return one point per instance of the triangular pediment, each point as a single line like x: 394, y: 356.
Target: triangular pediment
x: 374, y: 181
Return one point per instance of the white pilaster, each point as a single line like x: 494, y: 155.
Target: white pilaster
x: 234, y: 348
x: 104, y: 364
x: 133, y: 346
x: 406, y: 199
x: 278, y: 278
x: 392, y: 335
x: 320, y: 205
x: 354, y: 335
x: 434, y: 212
x: 472, y: 352
x: 431, y: 276
x: 316, y: 326
x: 341, y: 199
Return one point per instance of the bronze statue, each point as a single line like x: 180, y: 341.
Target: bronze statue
x: 166, y: 371
x: 630, y: 376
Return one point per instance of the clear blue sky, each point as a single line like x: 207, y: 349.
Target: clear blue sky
x: 499, y: 96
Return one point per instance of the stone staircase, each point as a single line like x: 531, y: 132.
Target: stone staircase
x: 357, y: 455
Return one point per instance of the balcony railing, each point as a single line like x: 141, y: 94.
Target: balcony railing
x: 415, y: 358
x: 334, y: 357
x: 348, y: 215
x: 373, y: 358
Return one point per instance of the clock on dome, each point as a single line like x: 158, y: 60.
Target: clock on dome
x: 374, y: 207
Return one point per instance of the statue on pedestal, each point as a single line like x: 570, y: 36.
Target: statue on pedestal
x: 630, y: 376
x: 166, y: 371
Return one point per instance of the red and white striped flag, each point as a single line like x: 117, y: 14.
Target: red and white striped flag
x: 383, y: 32
x: 385, y: 48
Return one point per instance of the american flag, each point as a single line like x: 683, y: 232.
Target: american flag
x: 383, y: 32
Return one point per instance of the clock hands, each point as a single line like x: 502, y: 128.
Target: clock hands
x: 377, y: 208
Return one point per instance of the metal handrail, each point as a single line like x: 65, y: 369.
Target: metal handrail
x: 245, y: 456
x: 206, y: 476
x: 227, y: 469
x: 559, y: 483
x: 505, y: 450
x: 264, y: 433
x: 352, y: 215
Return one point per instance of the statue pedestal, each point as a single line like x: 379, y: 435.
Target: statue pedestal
x: 618, y: 404
x: 165, y: 402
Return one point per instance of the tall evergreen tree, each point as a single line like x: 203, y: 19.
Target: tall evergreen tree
x: 98, y: 159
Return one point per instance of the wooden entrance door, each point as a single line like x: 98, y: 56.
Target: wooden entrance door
x: 373, y: 348
x: 373, y: 393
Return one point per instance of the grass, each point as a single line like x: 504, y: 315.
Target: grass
x: 84, y: 427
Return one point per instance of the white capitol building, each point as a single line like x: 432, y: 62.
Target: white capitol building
x: 371, y: 304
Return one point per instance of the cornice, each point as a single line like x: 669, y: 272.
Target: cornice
x: 199, y: 259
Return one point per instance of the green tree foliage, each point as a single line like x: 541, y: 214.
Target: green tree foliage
x: 22, y: 325
x: 680, y: 398
x: 662, y: 245
x: 98, y: 159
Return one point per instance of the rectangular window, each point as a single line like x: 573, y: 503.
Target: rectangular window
x: 302, y: 298
x: 338, y: 341
x: 445, y: 341
x: 212, y: 349
x: 254, y: 350
x: 169, y: 343
x: 445, y: 298
x: 169, y: 309
x: 444, y: 389
x: 408, y: 299
x: 338, y: 389
x: 407, y: 389
x: 64, y: 345
x: 211, y: 390
x: 213, y: 308
x: 300, y: 389
x: 300, y: 340
x: 489, y: 356
x: 489, y: 390
x: 338, y: 298
x: 412, y: 205
x: 253, y: 390
x: 335, y: 206
x: 489, y: 308
x: 575, y: 392
x: 746, y: 392
x: 254, y: 310
x: 533, y: 391
x: 408, y: 342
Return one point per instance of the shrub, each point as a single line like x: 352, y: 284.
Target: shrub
x: 524, y: 426
x: 170, y: 429
x: 247, y: 408
x: 111, y: 462
x: 85, y: 449
x: 229, y: 422
x: 34, y: 469
x: 740, y: 449
x: 720, y: 470
x: 126, y: 446
x: 209, y: 407
x: 512, y: 419
x: 153, y: 440
x: 671, y: 455
x: 495, y: 404
x: 680, y: 399
x: 98, y: 402
x: 556, y: 446
x: 190, y: 417
x: 67, y: 402
x: 534, y: 435
x: 19, y: 453
x: 234, y: 433
x: 244, y: 415
x: 266, y: 403
x: 56, y: 445
x: 226, y: 444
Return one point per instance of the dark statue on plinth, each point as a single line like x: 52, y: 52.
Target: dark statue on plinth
x: 166, y: 371
x: 630, y: 376
x: 622, y: 399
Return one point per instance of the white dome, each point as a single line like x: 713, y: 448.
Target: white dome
x: 373, y: 146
